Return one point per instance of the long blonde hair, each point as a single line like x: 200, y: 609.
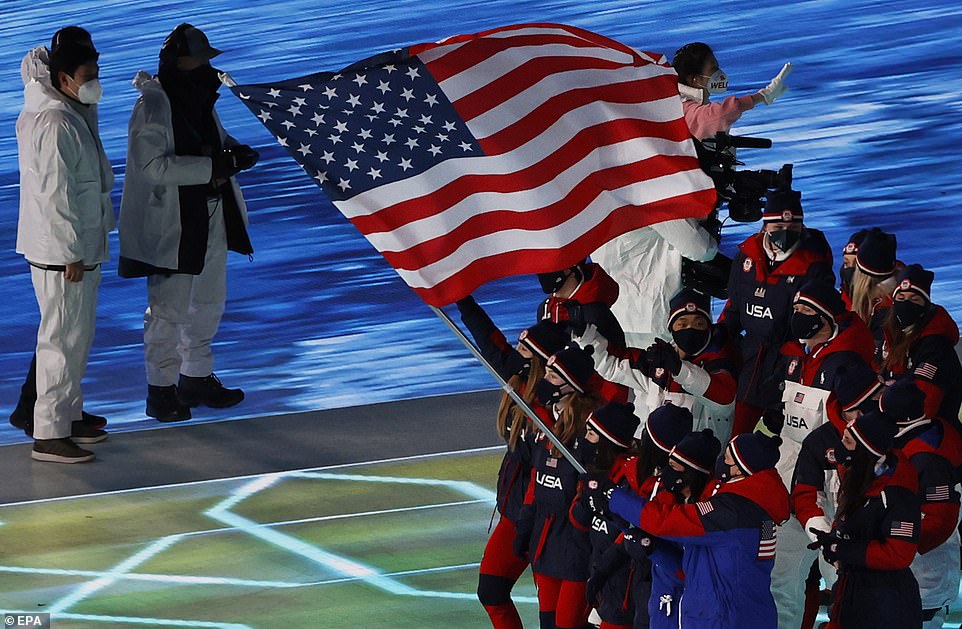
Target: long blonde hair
x: 574, y: 411
x: 864, y: 293
x: 511, y: 419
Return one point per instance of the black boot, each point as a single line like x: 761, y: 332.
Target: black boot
x: 164, y: 405
x: 207, y: 392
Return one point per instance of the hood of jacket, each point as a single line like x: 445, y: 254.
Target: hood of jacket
x: 765, y: 489
x: 597, y: 286
x: 941, y: 324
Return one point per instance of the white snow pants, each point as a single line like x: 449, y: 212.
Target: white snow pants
x: 793, y: 560
x: 184, y: 312
x: 68, y: 318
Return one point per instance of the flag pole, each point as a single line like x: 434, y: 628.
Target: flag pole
x: 507, y: 388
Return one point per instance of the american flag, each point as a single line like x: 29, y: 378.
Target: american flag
x: 902, y: 529
x: 938, y: 493
x: 704, y: 508
x: 766, y: 540
x: 517, y: 150
x: 926, y: 370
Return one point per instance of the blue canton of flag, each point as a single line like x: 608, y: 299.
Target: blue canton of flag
x: 382, y: 120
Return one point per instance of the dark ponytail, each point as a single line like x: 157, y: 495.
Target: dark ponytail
x: 689, y: 61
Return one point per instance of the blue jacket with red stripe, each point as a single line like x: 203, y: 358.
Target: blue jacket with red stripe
x: 729, y: 548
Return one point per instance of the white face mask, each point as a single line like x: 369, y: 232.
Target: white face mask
x: 90, y: 92
x: 717, y: 82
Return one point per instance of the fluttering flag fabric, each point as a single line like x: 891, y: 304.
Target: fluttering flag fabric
x: 517, y: 150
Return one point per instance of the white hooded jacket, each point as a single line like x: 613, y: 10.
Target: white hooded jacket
x: 150, y: 227
x: 646, y: 263
x: 65, y: 176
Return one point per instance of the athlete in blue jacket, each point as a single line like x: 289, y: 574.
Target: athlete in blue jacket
x: 728, y: 537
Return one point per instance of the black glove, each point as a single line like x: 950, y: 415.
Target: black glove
x: 522, y: 533
x: 773, y: 419
x: 828, y: 542
x: 223, y: 165
x: 664, y: 355
x: 608, y: 564
x: 576, y: 316
x: 637, y: 543
x: 244, y: 156
x: 596, y: 491
x: 639, y: 360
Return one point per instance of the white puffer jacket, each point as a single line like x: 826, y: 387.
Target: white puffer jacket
x: 150, y: 228
x: 65, y: 176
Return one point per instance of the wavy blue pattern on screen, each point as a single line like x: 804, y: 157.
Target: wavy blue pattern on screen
x: 319, y: 320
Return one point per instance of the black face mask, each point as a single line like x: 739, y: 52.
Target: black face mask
x: 844, y: 456
x: 547, y: 393
x: 204, y: 77
x: 805, y: 326
x: 671, y: 479
x: 907, y: 313
x: 587, y: 451
x: 690, y: 340
x: 847, y: 274
x: 723, y: 471
x: 784, y: 239
x: 550, y: 282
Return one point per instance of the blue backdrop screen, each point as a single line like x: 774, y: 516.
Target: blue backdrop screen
x: 319, y: 320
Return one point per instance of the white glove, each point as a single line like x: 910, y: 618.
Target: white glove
x: 777, y: 87
x: 819, y: 522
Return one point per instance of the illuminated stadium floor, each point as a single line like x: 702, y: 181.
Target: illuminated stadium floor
x: 393, y: 543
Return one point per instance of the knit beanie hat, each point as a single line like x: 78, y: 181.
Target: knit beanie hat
x: 854, y: 241
x: 615, y: 422
x: 754, y: 452
x: 667, y: 424
x: 876, y: 254
x: 875, y: 431
x: 575, y: 366
x: 915, y: 279
x: 903, y: 401
x: 689, y: 301
x: 823, y: 298
x: 856, y: 386
x: 783, y: 206
x: 545, y: 338
x: 697, y: 450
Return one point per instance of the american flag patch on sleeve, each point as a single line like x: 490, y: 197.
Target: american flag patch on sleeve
x: 939, y: 493
x: 704, y: 508
x: 766, y: 540
x: 926, y: 370
x: 902, y: 529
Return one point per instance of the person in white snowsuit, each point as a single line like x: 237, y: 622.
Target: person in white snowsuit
x: 65, y: 216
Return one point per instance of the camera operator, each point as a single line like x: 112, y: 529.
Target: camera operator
x: 699, y: 76
x: 767, y: 272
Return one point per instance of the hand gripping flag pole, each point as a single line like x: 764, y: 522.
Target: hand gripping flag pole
x: 507, y: 388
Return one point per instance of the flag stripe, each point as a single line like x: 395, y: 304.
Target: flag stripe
x: 416, y: 248
x: 485, y: 269
x: 572, y: 107
x: 450, y: 175
x: 486, y: 107
x: 561, y: 235
x: 493, y: 57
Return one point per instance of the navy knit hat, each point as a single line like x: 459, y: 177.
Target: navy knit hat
x: 875, y: 431
x: 854, y: 241
x: 856, y: 386
x: 697, y: 450
x: 615, y: 422
x: 689, y: 301
x: 823, y: 298
x: 667, y: 424
x: 783, y: 206
x: 754, y: 452
x: 915, y: 279
x: 903, y: 400
x: 575, y: 366
x: 876, y: 254
x: 545, y: 338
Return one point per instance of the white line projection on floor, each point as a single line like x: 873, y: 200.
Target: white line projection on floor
x: 347, y: 569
